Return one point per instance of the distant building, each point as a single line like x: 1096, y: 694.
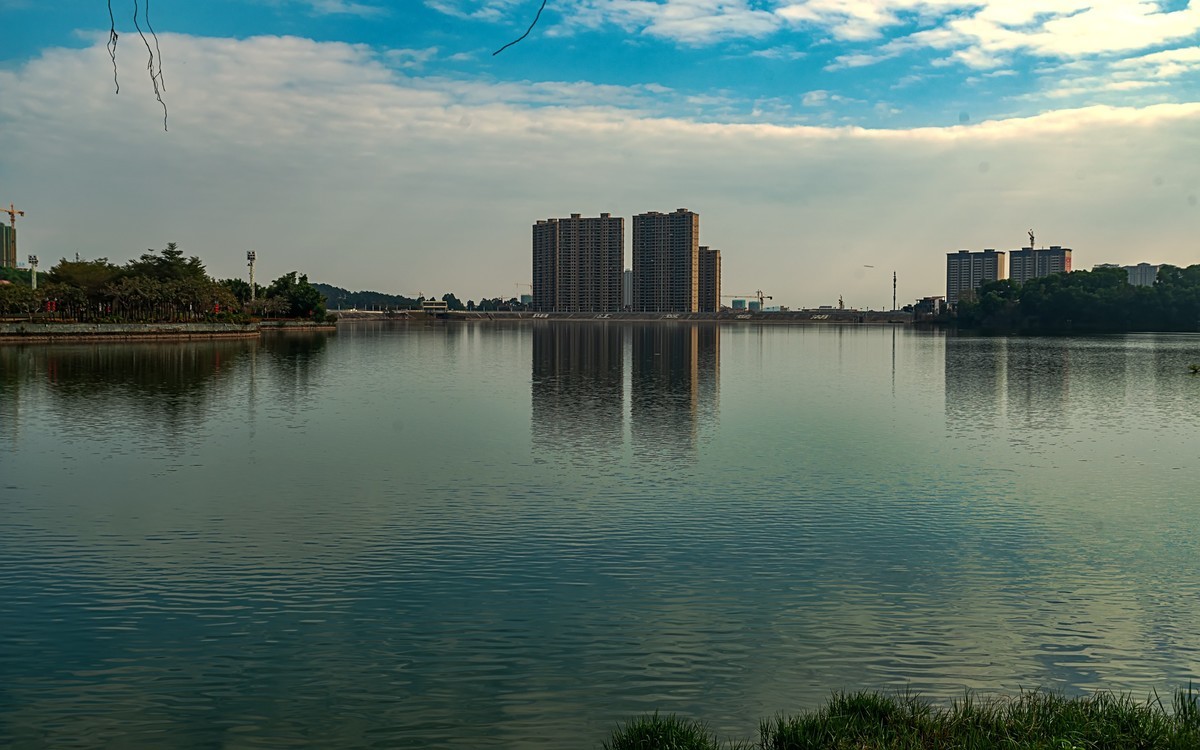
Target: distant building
x: 1143, y: 274
x: 929, y: 306
x: 965, y: 271
x: 666, y: 250
x: 739, y: 304
x: 578, y: 263
x: 1028, y: 263
x: 8, y: 246
x: 710, y: 280
x: 627, y: 289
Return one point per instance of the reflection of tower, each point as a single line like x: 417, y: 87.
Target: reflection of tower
x: 577, y: 388
x: 1037, y: 385
x: 974, y: 382
x: 674, y: 387
x: 10, y: 392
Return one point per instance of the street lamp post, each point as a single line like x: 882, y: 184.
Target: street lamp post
x: 251, y: 256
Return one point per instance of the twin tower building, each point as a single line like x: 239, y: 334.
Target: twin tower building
x: 579, y: 265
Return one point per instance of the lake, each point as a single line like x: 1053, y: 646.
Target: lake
x: 517, y: 535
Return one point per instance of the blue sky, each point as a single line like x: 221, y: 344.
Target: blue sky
x: 813, y: 136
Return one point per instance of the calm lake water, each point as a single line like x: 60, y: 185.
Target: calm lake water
x: 514, y: 537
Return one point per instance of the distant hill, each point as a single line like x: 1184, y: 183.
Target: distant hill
x: 338, y: 298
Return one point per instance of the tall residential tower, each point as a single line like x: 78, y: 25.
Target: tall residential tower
x: 966, y: 270
x: 666, y: 262
x: 1028, y: 263
x: 710, y: 279
x: 578, y: 264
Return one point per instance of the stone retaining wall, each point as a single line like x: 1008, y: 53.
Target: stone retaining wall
x: 37, y: 332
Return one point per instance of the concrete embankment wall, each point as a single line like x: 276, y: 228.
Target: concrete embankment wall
x: 41, y: 332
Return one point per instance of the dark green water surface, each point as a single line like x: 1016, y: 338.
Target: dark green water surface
x: 485, y: 536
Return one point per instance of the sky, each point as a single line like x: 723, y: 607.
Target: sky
x: 824, y: 143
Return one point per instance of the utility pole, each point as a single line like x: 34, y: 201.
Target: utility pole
x: 33, y: 264
x: 251, y: 256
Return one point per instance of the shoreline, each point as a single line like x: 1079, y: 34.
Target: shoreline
x: 797, y: 317
x: 55, y: 333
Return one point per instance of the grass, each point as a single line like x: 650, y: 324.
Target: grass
x: 874, y: 721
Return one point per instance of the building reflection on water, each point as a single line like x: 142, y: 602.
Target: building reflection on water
x: 673, y: 389
x: 577, y: 387
x: 588, y: 377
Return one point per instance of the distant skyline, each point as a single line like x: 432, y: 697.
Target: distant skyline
x: 382, y: 146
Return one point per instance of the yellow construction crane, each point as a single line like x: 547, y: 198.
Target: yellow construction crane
x: 13, y: 213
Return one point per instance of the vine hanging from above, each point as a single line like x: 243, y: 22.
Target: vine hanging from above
x: 535, y: 20
x: 154, y: 54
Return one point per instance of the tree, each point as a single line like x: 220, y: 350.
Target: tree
x: 168, y: 265
x: 452, y: 302
x: 302, y: 299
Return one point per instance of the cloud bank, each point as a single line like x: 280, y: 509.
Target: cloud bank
x: 348, y: 164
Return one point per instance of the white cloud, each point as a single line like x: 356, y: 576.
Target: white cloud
x: 324, y: 159
x: 344, y: 8
x: 785, y: 52
x: 479, y: 10
x: 410, y: 59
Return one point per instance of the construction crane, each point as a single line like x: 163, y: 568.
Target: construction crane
x: 13, y: 213
x: 759, y: 294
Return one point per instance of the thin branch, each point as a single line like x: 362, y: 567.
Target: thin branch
x: 150, y: 64
x: 112, y: 44
x: 535, y: 20
x: 161, y: 81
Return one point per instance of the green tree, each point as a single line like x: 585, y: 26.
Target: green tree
x: 302, y: 299
x: 168, y: 265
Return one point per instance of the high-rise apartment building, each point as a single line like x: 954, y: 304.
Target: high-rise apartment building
x: 1028, y: 263
x: 1143, y: 274
x: 966, y: 270
x: 627, y: 289
x: 666, y: 262
x: 578, y: 264
x: 8, y: 246
x: 710, y: 280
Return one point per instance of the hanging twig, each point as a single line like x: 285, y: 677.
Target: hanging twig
x: 535, y: 20
x: 161, y: 81
x: 112, y: 44
x: 150, y: 63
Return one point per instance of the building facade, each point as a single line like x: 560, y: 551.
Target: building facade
x: 710, y: 280
x: 1028, y: 263
x: 965, y: 271
x: 627, y: 289
x: 578, y: 264
x: 8, y: 246
x: 666, y: 262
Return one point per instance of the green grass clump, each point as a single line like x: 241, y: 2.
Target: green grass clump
x: 873, y: 721
x: 664, y: 733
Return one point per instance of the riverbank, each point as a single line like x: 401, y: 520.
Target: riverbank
x: 790, y: 317
x: 1029, y: 721
x: 35, y: 333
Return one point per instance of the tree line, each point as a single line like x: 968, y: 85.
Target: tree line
x: 1097, y: 301
x: 158, y: 287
